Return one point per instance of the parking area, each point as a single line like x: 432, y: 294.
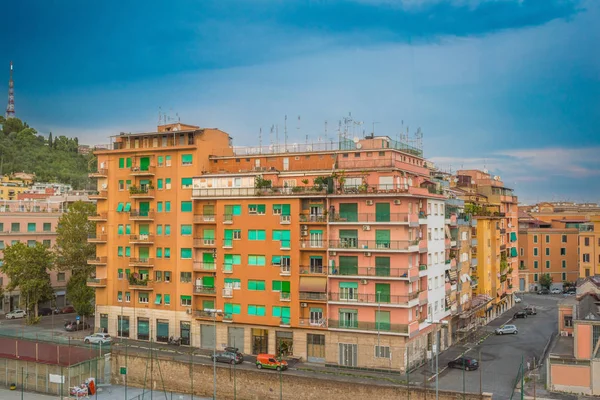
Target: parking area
x: 50, y: 328
x: 500, y: 355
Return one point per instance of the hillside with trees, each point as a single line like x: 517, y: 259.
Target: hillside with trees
x: 52, y: 159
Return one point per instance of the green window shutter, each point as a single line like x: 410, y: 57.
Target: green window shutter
x: 47, y: 227
x: 237, y: 209
x: 261, y: 208
x: 276, y: 311
x: 285, y: 313
x: 285, y: 209
x: 316, y: 310
x: 513, y: 236
x: 228, y: 308
x: 186, y: 254
x: 382, y: 212
x: 348, y: 285
x: 382, y: 320
x: 31, y: 227
x: 159, y: 183
x: 128, y: 207
x: 210, y: 304
x: 261, y: 311
x: 209, y: 210
x: 513, y: 252
x: 276, y: 235
x: 228, y: 258
x: 144, y: 229
x: 285, y: 286
x: 120, y: 207
x: 128, y: 229
x: 186, y: 206
x: 186, y: 230
x: 167, y: 252
x: 251, y: 309
x: 237, y: 309
x: 252, y: 235
x: 167, y: 299
x: 161, y: 161
x: 186, y: 182
x: 261, y: 235
x: 260, y: 260
x: 209, y: 234
x: 159, y: 230
x: 128, y: 163
x: 144, y: 252
x: 159, y: 252
x: 208, y: 281
x: 120, y: 251
x: 382, y: 238
x: 384, y: 292
x: 348, y: 265
x: 382, y: 266
x: 127, y: 251
x: 237, y: 259
x: 158, y: 299
x: 120, y: 229
x: 208, y: 258
x: 276, y: 286
x: 159, y: 206
x: 186, y: 159
x: 276, y: 207
x: 276, y: 260
x: 167, y: 230
x: 167, y: 206
x: 349, y: 234
x: 349, y: 212
x: 121, y: 163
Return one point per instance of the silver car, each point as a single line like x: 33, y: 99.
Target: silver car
x: 98, y: 338
x: 507, y: 330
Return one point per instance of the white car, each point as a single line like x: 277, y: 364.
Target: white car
x: 517, y: 299
x: 556, y: 291
x: 98, y: 338
x: 16, y: 314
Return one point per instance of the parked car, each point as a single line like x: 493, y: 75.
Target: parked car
x: 520, y: 314
x: 571, y: 290
x: 507, y: 330
x: 530, y: 310
x: 269, y: 361
x: 98, y: 338
x: 230, y: 355
x: 517, y: 299
x: 16, y: 314
x: 74, y: 326
x: 67, y: 310
x: 45, y: 311
x: 466, y: 363
x: 543, y: 291
x: 556, y: 291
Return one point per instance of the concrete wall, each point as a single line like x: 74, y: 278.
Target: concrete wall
x: 569, y: 378
x: 251, y: 384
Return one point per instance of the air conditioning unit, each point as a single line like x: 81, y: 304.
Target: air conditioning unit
x: 304, y: 233
x: 397, y: 202
x: 366, y: 228
x: 369, y: 202
x: 564, y: 333
x: 304, y: 227
x: 364, y: 281
x: 367, y: 254
x: 303, y: 305
x: 188, y: 310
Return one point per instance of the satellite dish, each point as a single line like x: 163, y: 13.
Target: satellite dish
x: 356, y: 140
x: 358, y: 146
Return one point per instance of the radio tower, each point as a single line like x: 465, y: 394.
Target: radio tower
x: 10, y: 108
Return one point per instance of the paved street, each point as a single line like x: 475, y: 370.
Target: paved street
x: 500, y: 356
x: 50, y: 328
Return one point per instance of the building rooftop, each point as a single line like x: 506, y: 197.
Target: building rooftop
x: 563, y: 347
x: 588, y: 307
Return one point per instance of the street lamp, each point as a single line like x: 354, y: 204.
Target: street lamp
x: 377, y: 322
x: 437, y: 352
x: 214, y: 313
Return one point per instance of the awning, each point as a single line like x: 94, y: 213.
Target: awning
x: 513, y: 252
x: 513, y: 236
x: 313, y: 284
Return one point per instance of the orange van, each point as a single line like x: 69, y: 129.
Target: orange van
x: 269, y: 361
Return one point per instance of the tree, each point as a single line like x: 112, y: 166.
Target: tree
x: 27, y: 268
x: 50, y: 140
x: 546, y: 281
x: 72, y: 252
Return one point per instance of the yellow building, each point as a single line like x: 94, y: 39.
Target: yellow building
x: 10, y: 188
x: 589, y: 247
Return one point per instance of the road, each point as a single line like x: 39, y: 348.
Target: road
x: 500, y: 356
x: 49, y: 328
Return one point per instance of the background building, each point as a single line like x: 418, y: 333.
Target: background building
x: 589, y: 247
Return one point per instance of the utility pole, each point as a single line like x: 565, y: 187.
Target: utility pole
x: 522, y: 379
x: 480, y: 377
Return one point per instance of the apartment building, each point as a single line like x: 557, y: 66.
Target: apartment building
x: 547, y: 248
x: 549, y: 211
x: 321, y: 251
x: 589, y: 247
x: 30, y: 222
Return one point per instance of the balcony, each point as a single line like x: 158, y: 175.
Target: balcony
x: 100, y: 173
x: 101, y: 195
x: 401, y: 329
x: 97, y: 260
x: 373, y: 299
x: 141, y: 215
x: 285, y: 219
x: 422, y: 270
x: 313, y: 296
x: 95, y: 238
x: 200, y: 266
x: 313, y: 322
x: 502, y: 231
x: 204, y: 242
x: 227, y: 269
x: 312, y: 244
x: 205, y: 290
x: 352, y: 244
x: 422, y: 218
x: 369, y: 189
x: 229, y: 192
x: 285, y: 296
x: 285, y: 322
x: 205, y: 219
x: 205, y: 315
x: 313, y: 218
x: 98, y: 217
x: 96, y: 282
x: 227, y: 293
x: 141, y: 239
x: 141, y: 193
x: 473, y: 242
x: 285, y: 270
x: 141, y: 262
x: 137, y: 170
x: 313, y: 270
x: 369, y: 218
x: 473, y: 262
x: 371, y: 272
x: 140, y: 284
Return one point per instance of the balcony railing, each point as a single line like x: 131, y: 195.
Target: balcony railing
x: 141, y: 214
x: 141, y: 262
x: 313, y: 269
x: 315, y: 296
x: 97, y: 260
x: 368, y: 326
x: 101, y: 195
x: 227, y: 292
x: 137, y: 170
x: 285, y: 219
x: 140, y: 284
x: 97, y: 238
x: 351, y: 243
x: 285, y: 296
x: 313, y: 218
x: 251, y: 192
x: 142, y: 192
x: 313, y: 322
x: 204, y: 242
x: 373, y: 298
x: 204, y: 266
x: 98, y: 216
x: 372, y: 189
x: 146, y: 238
x: 96, y: 282
x: 370, y: 271
x: 204, y: 314
x: 398, y: 218
x: 202, y: 218
x: 313, y: 244
x: 100, y: 173
x: 204, y: 290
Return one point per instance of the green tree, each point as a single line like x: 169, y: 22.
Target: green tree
x: 50, y: 140
x: 27, y: 268
x: 546, y: 281
x: 72, y: 252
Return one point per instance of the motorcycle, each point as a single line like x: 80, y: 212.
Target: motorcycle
x: 176, y: 340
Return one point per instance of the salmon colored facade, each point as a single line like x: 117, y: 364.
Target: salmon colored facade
x: 589, y: 247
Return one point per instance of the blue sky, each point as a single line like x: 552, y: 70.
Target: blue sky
x: 512, y: 85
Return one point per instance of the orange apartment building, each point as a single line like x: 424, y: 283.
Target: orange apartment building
x: 547, y: 248
x: 574, y: 361
x: 589, y: 247
x: 549, y: 211
x: 335, y: 253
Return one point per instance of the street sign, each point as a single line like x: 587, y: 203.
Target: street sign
x: 123, y: 370
x: 77, y: 318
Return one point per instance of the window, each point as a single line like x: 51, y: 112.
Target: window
x: 522, y: 252
x: 31, y: 243
x: 186, y: 301
x: 167, y: 252
x: 31, y: 227
x: 564, y: 276
x: 535, y: 251
x: 159, y: 184
x: 127, y: 297
x: 281, y: 209
x: 121, y: 185
x: 159, y: 252
x: 586, y: 257
x: 568, y: 321
x: 348, y: 318
x: 167, y: 299
x: 256, y: 310
x: 535, y: 264
x: 161, y: 161
x: 547, y: 238
x: 535, y: 277
x: 15, y: 227
x: 256, y: 285
x: 595, y: 336
x: 167, y: 275
x: 348, y: 290
x: 119, y: 296
x: 259, y: 209
x: 143, y: 298
x: 47, y: 227
x: 47, y: 243
x: 564, y: 264
x: 158, y: 299
x: 586, y: 241
x: 535, y: 239
x: 127, y: 184
x: 547, y: 251
x: 159, y: 230
x: 283, y: 236
x: 186, y: 183
x: 232, y: 283
x: 158, y: 276
x: 256, y: 260
x: 564, y: 238
x: 231, y: 308
x: 167, y: 183
x: 168, y: 161
x: 254, y: 234
x: 120, y: 251
x: 547, y: 264
x: 167, y: 206
x: 167, y: 230
x: 186, y: 253
x: 120, y: 273
x: 128, y: 229
x: 127, y: 251
x: 186, y: 159
x: 120, y: 230
x: 186, y: 206
x: 60, y: 277
x: 185, y: 277
x: 121, y: 163
x: 120, y: 207
x: 563, y: 251
x: 186, y: 230
x: 159, y: 206
x: 382, y: 351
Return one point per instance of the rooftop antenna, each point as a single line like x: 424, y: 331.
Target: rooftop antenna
x: 285, y: 134
x: 298, y: 127
x: 260, y: 140
x: 277, y: 136
x: 178, y: 119
x: 159, y: 115
x: 326, y: 130
x: 10, y: 107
